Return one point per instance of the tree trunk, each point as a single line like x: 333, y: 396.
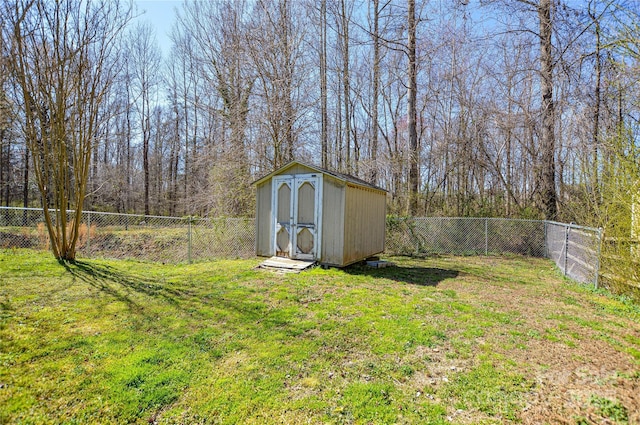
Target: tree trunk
x: 145, y: 161
x: 25, y: 181
x: 346, y: 86
x: 548, y: 183
x: 596, y: 106
x: 411, y: 111
x: 375, y: 94
x: 323, y: 84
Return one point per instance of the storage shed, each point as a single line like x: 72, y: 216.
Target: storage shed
x: 308, y: 213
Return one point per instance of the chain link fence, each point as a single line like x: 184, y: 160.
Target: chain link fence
x: 464, y: 236
x: 152, y: 238
x: 574, y: 249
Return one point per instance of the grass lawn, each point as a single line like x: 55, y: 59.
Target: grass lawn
x: 440, y: 340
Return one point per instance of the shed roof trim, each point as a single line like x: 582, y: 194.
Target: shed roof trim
x: 335, y: 174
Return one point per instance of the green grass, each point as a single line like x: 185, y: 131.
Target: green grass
x: 435, y: 340
x: 610, y: 409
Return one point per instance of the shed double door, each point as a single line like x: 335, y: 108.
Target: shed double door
x: 297, y: 211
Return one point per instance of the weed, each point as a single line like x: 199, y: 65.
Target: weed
x: 611, y: 409
x: 407, y: 370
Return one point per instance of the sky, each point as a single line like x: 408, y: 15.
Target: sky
x: 161, y: 14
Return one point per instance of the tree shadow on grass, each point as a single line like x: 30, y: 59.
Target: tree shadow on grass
x: 120, y: 284
x: 422, y: 276
x: 131, y: 289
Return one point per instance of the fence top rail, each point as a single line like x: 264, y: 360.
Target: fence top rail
x: 574, y: 226
x: 527, y: 220
x: 20, y: 208
x: 167, y: 217
x: 136, y: 215
x: 96, y: 212
x: 198, y: 219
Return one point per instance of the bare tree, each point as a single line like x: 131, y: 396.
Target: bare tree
x: 10, y: 143
x: 174, y: 75
x: 61, y: 58
x: 275, y: 45
x: 343, y: 21
x: 547, y: 142
x: 324, y: 137
x: 144, y: 59
x: 185, y: 81
x: 6, y: 136
x: 412, y: 87
x: 373, y: 148
x: 219, y: 32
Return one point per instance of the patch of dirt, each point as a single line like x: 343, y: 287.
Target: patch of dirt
x: 568, y: 378
x: 586, y: 363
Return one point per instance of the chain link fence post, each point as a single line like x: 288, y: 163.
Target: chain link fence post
x: 89, y: 234
x: 597, y: 276
x: 189, y: 240
x: 567, y: 229
x: 546, y: 240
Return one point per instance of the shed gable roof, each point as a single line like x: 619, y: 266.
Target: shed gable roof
x: 340, y: 176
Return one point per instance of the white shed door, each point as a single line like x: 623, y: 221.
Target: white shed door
x: 296, y: 209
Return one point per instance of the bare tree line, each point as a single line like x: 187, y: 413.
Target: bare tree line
x: 498, y: 108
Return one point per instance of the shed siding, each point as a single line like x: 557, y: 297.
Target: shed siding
x: 365, y: 211
x: 332, y: 221
x: 264, y: 237
x: 297, y: 169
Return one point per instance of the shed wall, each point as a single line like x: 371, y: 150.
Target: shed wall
x: 297, y: 169
x: 332, y: 245
x: 364, y: 223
